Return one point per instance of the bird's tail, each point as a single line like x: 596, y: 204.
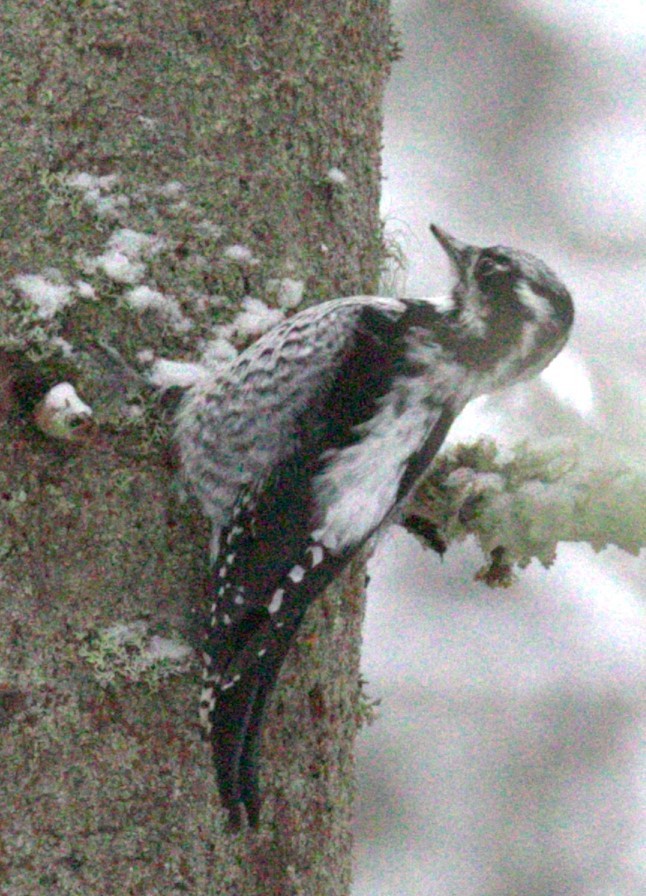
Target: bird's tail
x: 236, y: 709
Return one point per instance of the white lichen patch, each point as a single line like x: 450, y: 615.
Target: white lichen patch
x: 127, y: 651
x: 98, y: 193
x: 212, y: 231
x: 66, y: 348
x: 149, y: 124
x: 109, y: 206
x: 125, y: 255
x: 135, y: 244
x: 217, y: 352
x: 168, y: 649
x: 239, y: 254
x: 471, y: 482
x: 61, y: 414
x: 165, y: 374
x: 143, y: 298
x: 256, y: 318
x: 85, y: 289
x: 286, y: 292
x: 172, y: 189
x: 48, y: 296
x: 83, y: 180
x: 125, y: 633
x: 119, y: 267
x: 133, y: 412
x: 337, y: 177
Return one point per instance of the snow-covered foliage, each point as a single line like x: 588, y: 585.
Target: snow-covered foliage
x: 520, y: 508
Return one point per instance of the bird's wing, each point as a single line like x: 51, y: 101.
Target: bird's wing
x: 234, y: 427
x: 290, y: 532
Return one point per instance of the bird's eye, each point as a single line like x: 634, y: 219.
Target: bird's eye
x: 487, y: 267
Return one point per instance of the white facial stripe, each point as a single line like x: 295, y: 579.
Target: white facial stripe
x: 538, y: 305
x: 474, y: 313
x: 528, y: 338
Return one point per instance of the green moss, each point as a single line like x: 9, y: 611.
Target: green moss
x: 125, y: 651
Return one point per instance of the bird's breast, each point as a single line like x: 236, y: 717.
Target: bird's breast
x: 357, y: 487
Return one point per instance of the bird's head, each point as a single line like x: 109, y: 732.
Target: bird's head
x: 508, y: 298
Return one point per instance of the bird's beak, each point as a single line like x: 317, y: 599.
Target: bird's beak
x: 460, y: 254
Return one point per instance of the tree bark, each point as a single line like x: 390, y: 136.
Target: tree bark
x: 203, y: 125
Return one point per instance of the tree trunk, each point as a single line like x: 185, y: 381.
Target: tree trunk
x: 204, y: 125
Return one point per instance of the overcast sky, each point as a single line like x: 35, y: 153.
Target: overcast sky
x: 507, y: 757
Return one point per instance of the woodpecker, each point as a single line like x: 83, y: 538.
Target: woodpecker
x: 313, y: 438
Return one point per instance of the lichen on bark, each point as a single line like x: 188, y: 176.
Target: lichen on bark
x: 200, y: 126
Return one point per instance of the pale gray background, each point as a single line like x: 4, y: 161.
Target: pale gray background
x: 508, y: 758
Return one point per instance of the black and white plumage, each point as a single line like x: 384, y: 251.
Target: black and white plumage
x: 312, y: 439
